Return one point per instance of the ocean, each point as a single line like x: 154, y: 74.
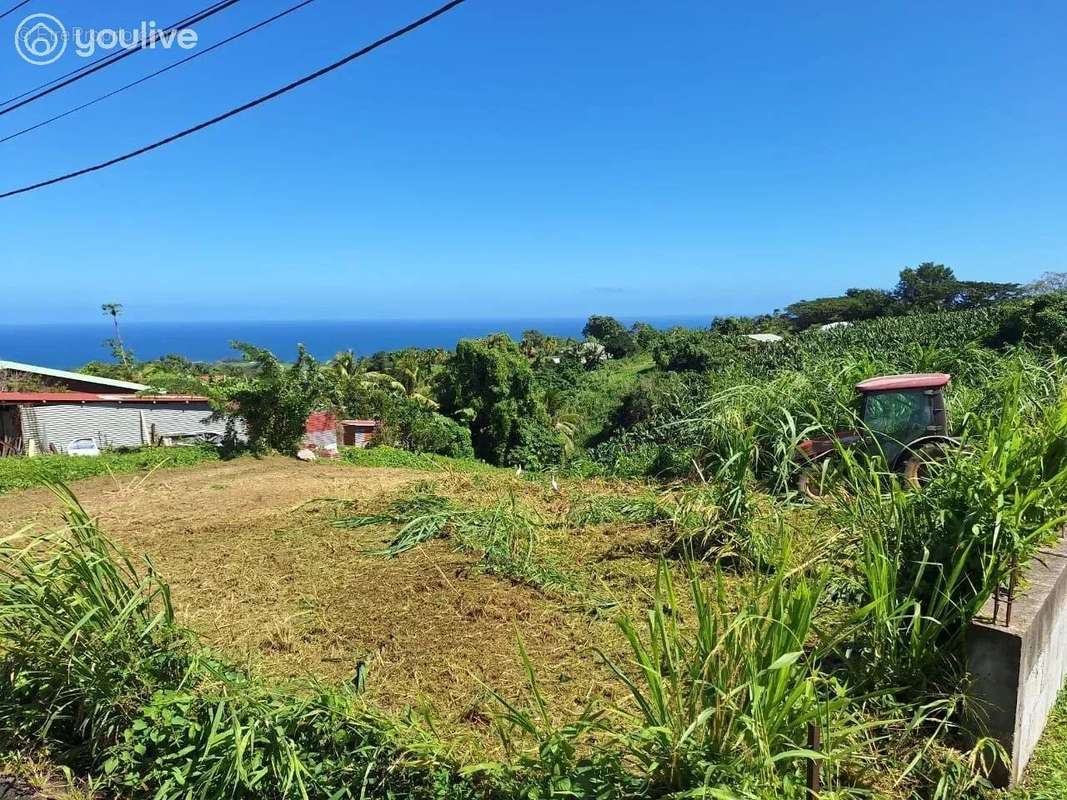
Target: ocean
x: 70, y: 345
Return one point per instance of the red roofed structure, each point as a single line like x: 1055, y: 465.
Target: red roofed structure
x: 920, y: 380
x: 50, y: 421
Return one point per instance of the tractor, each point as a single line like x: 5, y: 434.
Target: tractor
x: 904, y: 421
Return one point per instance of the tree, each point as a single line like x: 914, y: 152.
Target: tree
x: 1047, y: 283
x: 489, y: 384
x: 276, y: 400
x: 644, y: 336
x: 761, y: 323
x: 979, y: 294
x: 610, y: 333
x: 114, y: 310
x: 927, y: 287
x: 934, y: 287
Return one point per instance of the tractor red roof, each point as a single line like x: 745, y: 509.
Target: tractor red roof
x: 922, y: 380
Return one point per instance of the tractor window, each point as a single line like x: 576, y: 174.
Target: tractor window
x: 897, y: 418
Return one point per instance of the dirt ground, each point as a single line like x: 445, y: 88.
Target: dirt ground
x: 260, y: 573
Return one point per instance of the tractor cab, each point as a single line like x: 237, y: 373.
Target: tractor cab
x: 904, y: 420
x: 902, y: 411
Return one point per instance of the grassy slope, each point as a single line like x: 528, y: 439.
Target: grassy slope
x: 600, y: 392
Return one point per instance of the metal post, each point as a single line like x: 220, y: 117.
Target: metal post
x: 814, y: 771
x: 1011, y: 589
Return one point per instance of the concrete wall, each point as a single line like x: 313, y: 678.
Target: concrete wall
x: 1018, y: 670
x: 113, y: 424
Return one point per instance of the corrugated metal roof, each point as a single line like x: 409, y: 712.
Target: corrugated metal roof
x: 89, y: 397
x: 764, y: 337
x: 366, y: 423
x: 918, y: 380
x: 70, y: 376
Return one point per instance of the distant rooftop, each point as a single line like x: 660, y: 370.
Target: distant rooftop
x: 71, y: 376
x: 764, y: 337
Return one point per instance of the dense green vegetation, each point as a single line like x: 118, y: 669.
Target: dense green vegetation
x: 753, y: 634
x: 619, y: 402
x: 741, y: 651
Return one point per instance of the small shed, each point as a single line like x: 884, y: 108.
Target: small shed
x: 358, y: 432
x: 320, y: 431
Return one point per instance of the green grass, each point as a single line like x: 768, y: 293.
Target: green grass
x: 504, y: 534
x: 404, y: 459
x: 25, y: 473
x: 599, y: 393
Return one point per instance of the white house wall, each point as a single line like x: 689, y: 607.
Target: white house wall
x: 113, y: 424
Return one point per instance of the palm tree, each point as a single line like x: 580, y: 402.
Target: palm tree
x: 113, y: 310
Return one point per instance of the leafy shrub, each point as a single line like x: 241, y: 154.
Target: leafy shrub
x: 411, y: 425
x: 1040, y: 322
x: 489, y: 384
x: 693, y: 351
x: 539, y: 447
x: 276, y: 401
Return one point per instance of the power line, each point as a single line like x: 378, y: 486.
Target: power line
x: 16, y: 8
x: 240, y: 109
x: 107, y: 57
x: 138, y: 82
x: 103, y: 58
x: 108, y: 60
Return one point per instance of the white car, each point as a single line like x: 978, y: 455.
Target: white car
x: 85, y: 446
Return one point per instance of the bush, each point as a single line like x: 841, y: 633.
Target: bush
x: 411, y: 425
x: 489, y: 384
x: 1041, y: 322
x: 539, y: 447
x: 430, y: 432
x: 693, y: 351
x: 277, y: 400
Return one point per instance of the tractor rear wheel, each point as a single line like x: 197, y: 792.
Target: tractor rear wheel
x: 916, y: 467
x: 812, y: 482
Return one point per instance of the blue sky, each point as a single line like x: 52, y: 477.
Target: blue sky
x: 542, y: 158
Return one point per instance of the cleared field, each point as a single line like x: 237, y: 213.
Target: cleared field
x: 258, y: 570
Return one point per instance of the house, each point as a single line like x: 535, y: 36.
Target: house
x: 53, y: 420
x: 45, y: 410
